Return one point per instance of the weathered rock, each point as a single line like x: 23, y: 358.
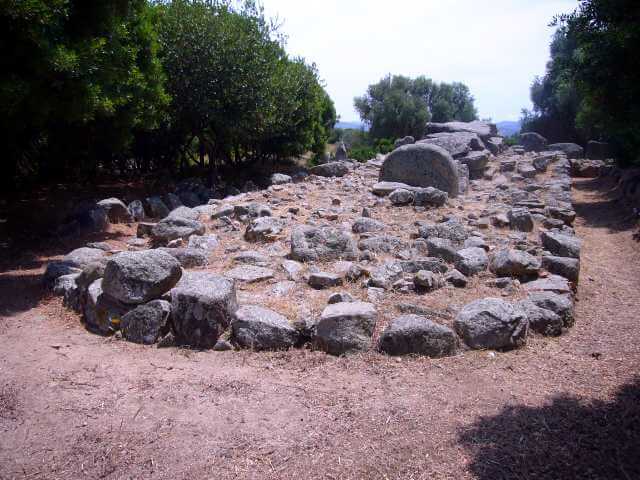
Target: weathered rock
x: 495, y: 145
x: 430, y: 264
x: 346, y: 327
x: 561, y: 305
x: 482, y: 129
x: 116, y: 210
x: 208, y: 243
x: 280, y: 179
x: 471, y: 261
x: 251, y: 210
x: 426, y: 281
x: 426, y: 197
x: 340, y: 297
x: 202, y: 307
x: 102, y: 314
x: 566, y: 267
x: 492, y: 323
x: 422, y: 165
x: 136, y: 210
x: 73, y: 262
x: 571, y: 150
x: 401, y: 142
x: 452, y: 230
x: 139, y: 277
x: 533, y: 142
x: 541, y: 320
x: 382, y: 244
x: 514, y: 263
x: 477, y: 163
x: 458, y: 144
x: 251, y: 257
x: 385, y: 275
x: 309, y: 244
x: 382, y: 189
x: 156, y: 208
x: 321, y: 280
x: 567, y: 215
x: 457, y: 279
x: 175, y: 227
x: 250, y: 274
x: 259, y: 328
x: 587, y: 168
x: 66, y: 286
x: 551, y: 283
x: 441, y: 248
x: 526, y: 169
x: 413, y: 334
x: 144, y: 229
x: 331, y: 169
x: 189, y: 257
x: 520, y: 219
x: 263, y: 229
x: 561, y: 245
x: 401, y: 197
x: 366, y: 225
x: 146, y: 323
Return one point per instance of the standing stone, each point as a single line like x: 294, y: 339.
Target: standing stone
x: 346, y: 327
x: 259, y: 328
x: 139, y: 277
x: 413, y: 334
x: 422, y: 165
x: 136, y: 210
x: 492, y: 323
x: 203, y: 305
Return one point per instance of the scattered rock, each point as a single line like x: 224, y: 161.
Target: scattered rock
x: 321, y: 280
x: 259, y: 328
x: 561, y: 245
x: 263, y: 229
x: 541, y: 320
x: 331, y: 169
x: 412, y: 334
x: 471, y: 261
x: 250, y: 274
x: 346, y: 327
x: 401, y: 197
x: 520, y: 219
x: 309, y: 244
x: 514, y: 263
x: 366, y: 225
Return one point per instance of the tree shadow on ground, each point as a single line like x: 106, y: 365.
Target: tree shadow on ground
x: 567, y: 439
x: 610, y: 212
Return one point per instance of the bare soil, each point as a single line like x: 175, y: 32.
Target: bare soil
x: 75, y: 405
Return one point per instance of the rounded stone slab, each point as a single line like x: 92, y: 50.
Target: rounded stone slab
x: 422, y: 165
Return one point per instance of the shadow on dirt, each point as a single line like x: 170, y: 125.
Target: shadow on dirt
x: 566, y: 439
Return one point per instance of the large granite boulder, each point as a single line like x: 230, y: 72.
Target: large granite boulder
x: 422, y: 165
x: 311, y: 244
x: 458, y: 144
x: 413, y: 334
x: 492, y: 323
x: 202, y: 306
x: 346, y: 327
x: 533, y: 142
x: 139, y: 277
x: 571, y: 150
x: 259, y: 328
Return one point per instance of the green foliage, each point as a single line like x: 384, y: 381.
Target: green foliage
x: 592, y: 82
x: 397, y: 106
x: 77, y: 79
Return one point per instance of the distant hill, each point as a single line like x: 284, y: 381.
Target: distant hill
x: 351, y: 125
x: 508, y: 128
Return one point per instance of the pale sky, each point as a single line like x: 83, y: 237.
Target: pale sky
x: 496, y: 47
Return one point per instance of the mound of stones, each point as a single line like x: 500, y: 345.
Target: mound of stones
x: 320, y: 262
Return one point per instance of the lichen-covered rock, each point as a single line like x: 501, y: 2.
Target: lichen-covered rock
x: 312, y: 244
x: 139, y: 277
x: 202, y: 307
x: 259, y: 328
x: 471, y: 261
x: 413, y: 334
x: 175, y: 227
x: 346, y: 327
x: 492, y: 323
x: 146, y: 323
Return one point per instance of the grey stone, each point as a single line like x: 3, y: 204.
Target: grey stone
x: 102, y: 314
x: 441, y: 248
x: 202, y: 307
x: 250, y: 274
x: 341, y: 153
x: 136, y: 210
x: 457, y: 279
x: 263, y: 229
x: 293, y: 269
x: 188, y: 257
x: 144, y: 229
x: 116, y: 210
x: 533, y: 142
x: 175, y: 227
x: 73, y: 262
x: 422, y: 165
x: 66, y: 287
x: 321, y: 280
x: 251, y: 257
x: 366, y: 225
x: 340, y: 297
x: 552, y: 283
x: 382, y: 244
x: 401, y: 197
x: 401, y: 142
x: 426, y: 281
x: 331, y: 169
x: 346, y: 327
x: 426, y: 197
x: 571, y: 150
x: 146, y: 323
x: 477, y: 162
x: 561, y: 305
x: 280, y: 179
x: 208, y: 243
x: 561, y: 245
x: 471, y: 261
x: 567, y: 215
x: 492, y: 323
x: 156, y: 208
x: 482, y: 129
x: 430, y: 264
x: 413, y: 334
x: 139, y: 277
x: 452, y: 230
x: 566, y: 267
x: 514, y: 263
x: 382, y: 189
x: 526, y: 169
x: 541, y: 320
x: 259, y: 328
x: 385, y: 275
x: 520, y: 219
x: 321, y: 244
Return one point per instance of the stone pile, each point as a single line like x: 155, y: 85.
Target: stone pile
x: 323, y: 261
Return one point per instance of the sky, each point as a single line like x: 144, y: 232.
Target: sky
x: 496, y: 47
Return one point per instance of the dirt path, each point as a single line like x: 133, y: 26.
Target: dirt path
x: 74, y: 405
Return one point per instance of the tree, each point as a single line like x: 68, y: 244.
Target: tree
x: 77, y: 79
x: 398, y: 106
